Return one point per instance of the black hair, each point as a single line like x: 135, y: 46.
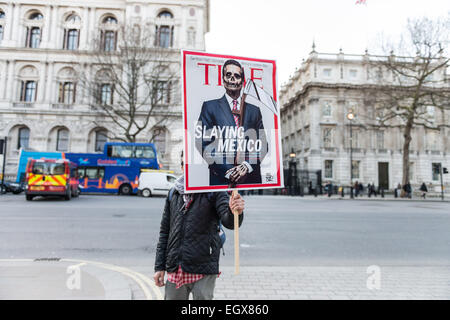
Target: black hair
x: 235, y: 63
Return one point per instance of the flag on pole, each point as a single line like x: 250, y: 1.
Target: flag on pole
x: 261, y: 95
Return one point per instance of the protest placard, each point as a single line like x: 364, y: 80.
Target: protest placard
x: 231, y: 123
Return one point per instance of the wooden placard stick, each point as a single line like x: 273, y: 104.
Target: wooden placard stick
x: 236, y: 215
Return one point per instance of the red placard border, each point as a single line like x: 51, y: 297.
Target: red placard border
x: 277, y: 140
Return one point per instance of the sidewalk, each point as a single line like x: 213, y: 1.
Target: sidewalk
x: 363, y: 197
x: 50, y: 280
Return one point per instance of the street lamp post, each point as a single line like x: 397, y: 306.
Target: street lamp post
x: 350, y: 117
x: 292, y: 171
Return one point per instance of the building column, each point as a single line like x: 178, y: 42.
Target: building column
x: 92, y: 24
x: 84, y: 32
x: 15, y: 28
x: 8, y: 25
x: 10, y: 82
x: 3, y: 79
x: 48, y: 83
x: 41, y: 84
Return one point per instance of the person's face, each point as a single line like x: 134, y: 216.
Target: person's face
x: 232, y: 78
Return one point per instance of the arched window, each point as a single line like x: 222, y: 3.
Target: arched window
x: 36, y: 16
x: 33, y: 30
x: 164, y: 30
x: 67, y: 81
x: 101, y: 137
x: 62, y: 140
x: 72, y: 26
x: 105, y: 88
x: 165, y: 14
x: 28, y: 77
x: 23, y: 138
x: 73, y: 18
x: 108, y: 33
x: 109, y: 19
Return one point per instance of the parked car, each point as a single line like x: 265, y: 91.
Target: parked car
x: 12, y: 187
x: 155, y: 182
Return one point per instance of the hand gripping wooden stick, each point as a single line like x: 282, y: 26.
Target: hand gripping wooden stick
x: 236, y: 237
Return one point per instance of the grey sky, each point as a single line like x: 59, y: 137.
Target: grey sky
x: 284, y: 29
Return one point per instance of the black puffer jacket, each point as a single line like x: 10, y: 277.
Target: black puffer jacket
x: 191, y: 238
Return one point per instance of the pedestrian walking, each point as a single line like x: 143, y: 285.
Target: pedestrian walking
x: 189, y: 242
x: 424, y: 190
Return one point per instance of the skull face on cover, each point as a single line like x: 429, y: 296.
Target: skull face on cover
x: 233, y: 79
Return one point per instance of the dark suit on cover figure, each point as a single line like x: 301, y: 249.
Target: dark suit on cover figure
x: 218, y: 113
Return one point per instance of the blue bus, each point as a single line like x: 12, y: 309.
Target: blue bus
x: 116, y: 170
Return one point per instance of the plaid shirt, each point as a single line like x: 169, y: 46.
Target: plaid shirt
x: 181, y: 278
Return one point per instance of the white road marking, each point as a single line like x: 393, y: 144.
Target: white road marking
x: 143, y: 281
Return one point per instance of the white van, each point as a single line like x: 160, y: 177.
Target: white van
x: 155, y: 182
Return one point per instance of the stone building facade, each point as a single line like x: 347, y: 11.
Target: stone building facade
x: 314, y: 107
x: 40, y: 106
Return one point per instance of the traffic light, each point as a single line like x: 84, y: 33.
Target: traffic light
x: 445, y: 170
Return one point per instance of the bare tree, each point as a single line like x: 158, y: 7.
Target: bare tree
x: 409, y: 86
x: 129, y: 81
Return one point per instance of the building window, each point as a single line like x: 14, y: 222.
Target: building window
x: 36, y: 16
x: 109, y: 20
x: 327, y: 72
x: 328, y: 172
x: 100, y: 139
x: 106, y: 94
x: 62, y: 140
x: 109, y: 34
x: 2, y: 22
x: 71, y: 39
x: 354, y: 140
x: 24, y: 138
x: 162, y: 95
x: 109, y: 40
x: 73, y: 18
x: 33, y: 39
x: 355, y: 169
x: 326, y: 109
x: 67, y: 92
x: 436, y: 171
x: 191, y: 37
x: 28, y: 91
x: 164, y: 36
x: 327, y: 137
x: 353, y: 73
x: 380, y: 139
x: 165, y: 14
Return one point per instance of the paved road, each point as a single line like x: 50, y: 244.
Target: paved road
x: 284, y: 236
